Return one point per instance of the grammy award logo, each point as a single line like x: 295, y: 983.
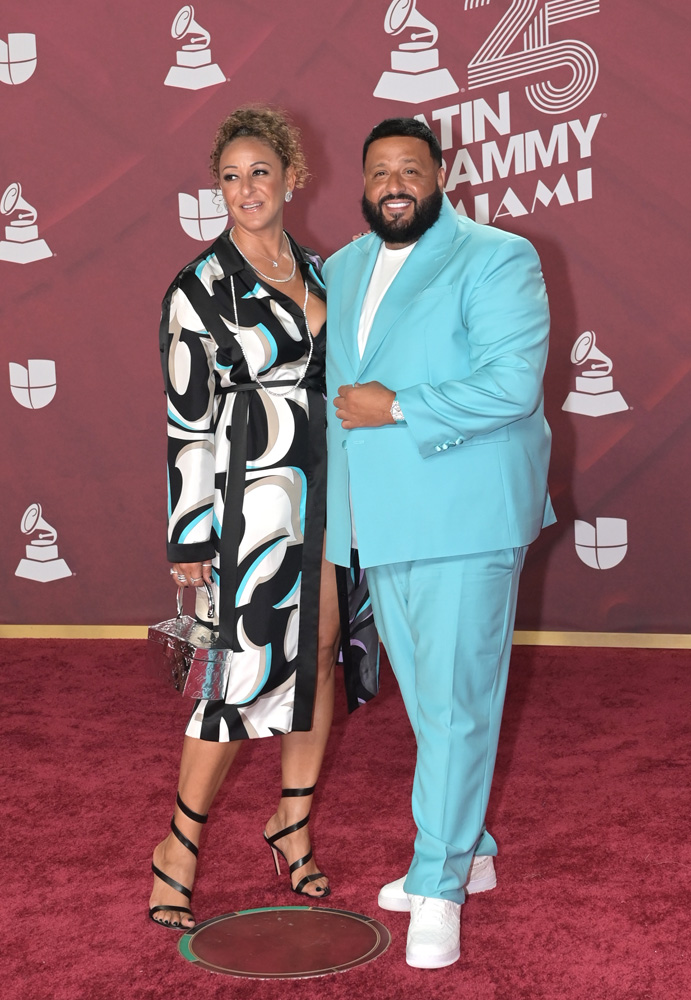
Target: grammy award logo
x: 42, y: 563
x: 35, y: 385
x: 603, y: 546
x: 194, y: 68
x: 21, y: 243
x: 595, y: 394
x: 205, y: 217
x: 415, y: 76
x: 17, y: 58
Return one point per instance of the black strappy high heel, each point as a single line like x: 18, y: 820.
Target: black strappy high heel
x: 271, y: 841
x: 178, y: 886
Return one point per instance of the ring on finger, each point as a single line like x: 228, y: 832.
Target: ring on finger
x: 196, y: 579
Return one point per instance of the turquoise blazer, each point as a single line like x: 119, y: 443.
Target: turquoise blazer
x: 461, y: 336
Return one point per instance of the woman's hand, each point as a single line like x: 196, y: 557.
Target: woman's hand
x: 191, y: 574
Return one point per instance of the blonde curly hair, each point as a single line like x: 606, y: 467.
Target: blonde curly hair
x: 272, y: 126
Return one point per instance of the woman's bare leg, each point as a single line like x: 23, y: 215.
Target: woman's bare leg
x: 203, y: 767
x: 302, y: 753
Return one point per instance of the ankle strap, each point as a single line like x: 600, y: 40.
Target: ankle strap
x: 197, y: 817
x: 287, y: 793
x: 185, y: 841
x: 290, y: 829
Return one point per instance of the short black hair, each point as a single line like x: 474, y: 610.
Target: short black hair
x: 404, y: 126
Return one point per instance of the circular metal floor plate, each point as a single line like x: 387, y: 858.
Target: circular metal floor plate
x: 285, y: 942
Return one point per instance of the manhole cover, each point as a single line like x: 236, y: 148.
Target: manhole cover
x: 285, y: 942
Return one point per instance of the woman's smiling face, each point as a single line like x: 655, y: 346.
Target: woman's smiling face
x: 254, y: 182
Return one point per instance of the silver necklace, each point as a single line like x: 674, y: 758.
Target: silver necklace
x: 275, y: 262
x: 269, y: 277
x: 254, y: 375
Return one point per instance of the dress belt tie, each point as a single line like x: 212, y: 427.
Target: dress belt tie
x: 307, y: 383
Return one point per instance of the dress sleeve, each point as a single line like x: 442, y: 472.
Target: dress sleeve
x: 507, y: 321
x: 190, y: 388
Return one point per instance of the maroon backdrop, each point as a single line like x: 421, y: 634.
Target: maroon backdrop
x: 560, y: 120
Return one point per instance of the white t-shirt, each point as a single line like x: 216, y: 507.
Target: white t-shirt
x: 387, y: 266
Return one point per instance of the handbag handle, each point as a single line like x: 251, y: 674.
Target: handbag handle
x: 209, y: 597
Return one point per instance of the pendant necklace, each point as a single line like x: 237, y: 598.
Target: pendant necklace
x: 268, y: 277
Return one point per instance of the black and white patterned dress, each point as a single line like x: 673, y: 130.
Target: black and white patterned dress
x: 246, y: 489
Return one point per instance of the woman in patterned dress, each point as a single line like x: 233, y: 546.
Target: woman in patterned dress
x: 243, y: 343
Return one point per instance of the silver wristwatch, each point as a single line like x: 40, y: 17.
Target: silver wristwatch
x: 397, y: 412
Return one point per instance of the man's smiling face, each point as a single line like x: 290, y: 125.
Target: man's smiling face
x: 403, y: 189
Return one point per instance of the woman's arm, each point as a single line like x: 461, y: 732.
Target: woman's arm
x: 190, y: 384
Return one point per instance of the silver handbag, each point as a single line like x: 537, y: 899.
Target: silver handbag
x: 195, y: 664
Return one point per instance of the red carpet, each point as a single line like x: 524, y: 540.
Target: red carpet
x: 590, y: 807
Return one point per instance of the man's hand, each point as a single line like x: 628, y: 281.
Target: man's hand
x: 367, y: 405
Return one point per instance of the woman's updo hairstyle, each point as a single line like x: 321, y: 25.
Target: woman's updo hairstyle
x: 271, y: 126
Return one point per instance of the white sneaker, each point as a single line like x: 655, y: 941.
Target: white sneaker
x: 480, y: 878
x: 434, y: 935
x: 482, y: 875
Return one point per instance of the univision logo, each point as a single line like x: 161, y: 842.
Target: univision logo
x: 34, y: 386
x: 604, y: 545
x: 17, y: 58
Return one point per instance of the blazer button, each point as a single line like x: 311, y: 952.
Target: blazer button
x: 344, y: 444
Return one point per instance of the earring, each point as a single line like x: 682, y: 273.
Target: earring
x: 289, y: 195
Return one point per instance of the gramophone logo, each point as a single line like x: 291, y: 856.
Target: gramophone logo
x: 17, y: 58
x: 205, y: 217
x: 42, y: 562
x: 415, y: 76
x: 194, y: 68
x: 35, y: 385
x: 595, y: 394
x: 21, y: 243
x: 602, y: 546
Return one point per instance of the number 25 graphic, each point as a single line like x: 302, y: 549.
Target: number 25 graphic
x: 492, y: 63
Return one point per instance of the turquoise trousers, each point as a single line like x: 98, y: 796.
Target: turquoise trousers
x: 447, y: 626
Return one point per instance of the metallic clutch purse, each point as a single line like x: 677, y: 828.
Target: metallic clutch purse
x: 195, y: 664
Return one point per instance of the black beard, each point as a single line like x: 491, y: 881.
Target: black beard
x: 425, y: 214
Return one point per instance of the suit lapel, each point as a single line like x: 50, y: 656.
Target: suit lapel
x: 432, y: 252
x: 415, y: 274
x: 357, y: 272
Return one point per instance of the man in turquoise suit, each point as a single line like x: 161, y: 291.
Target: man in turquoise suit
x: 438, y: 456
